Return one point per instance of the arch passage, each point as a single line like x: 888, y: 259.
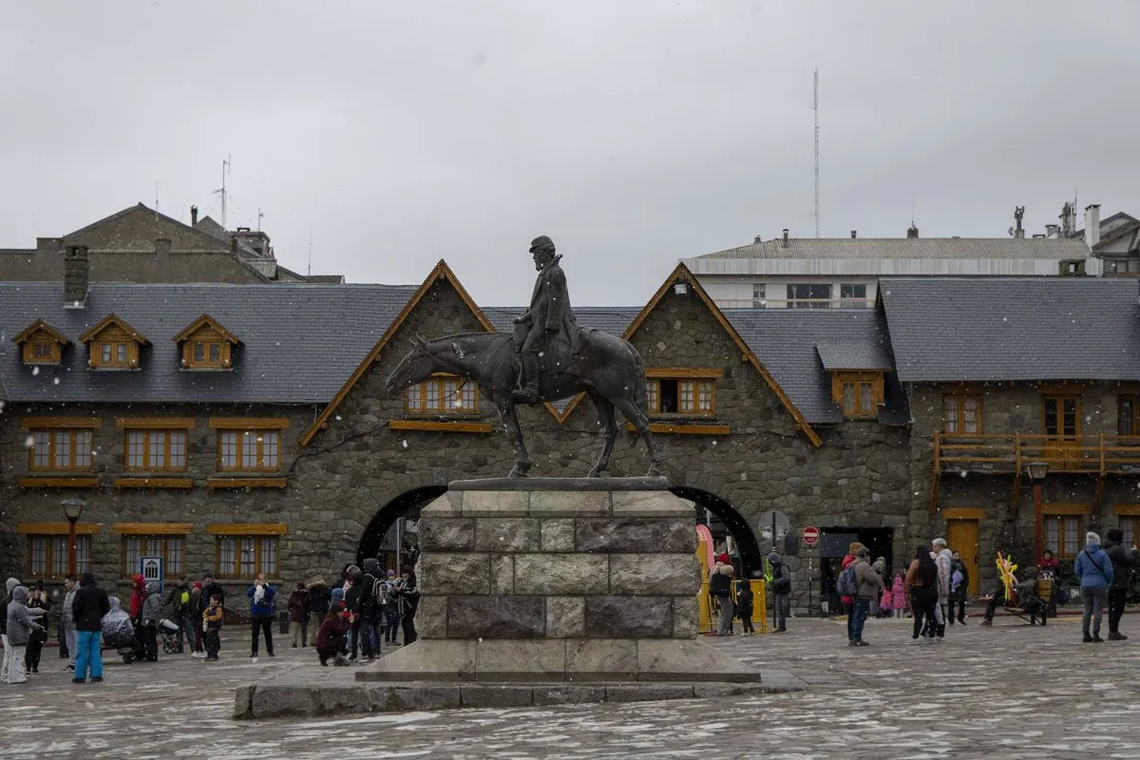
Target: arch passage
x: 751, y: 559
x: 407, y: 504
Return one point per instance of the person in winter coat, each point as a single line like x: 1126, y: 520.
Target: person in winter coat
x: 179, y: 602
x: 921, y: 585
x: 37, y: 600
x: 409, y: 601
x: 88, y: 607
x: 148, y: 622
x: 391, y: 610
x: 138, y: 596
x: 898, y: 596
x: 370, y: 611
x: 781, y: 591
x: 212, y: 618
x: 67, y: 638
x: 299, y: 615
x: 1123, y: 560
x: 353, y: 588
x: 261, y: 614
x: 720, y: 587
x: 9, y: 587
x: 21, y: 628
x: 942, y: 560
x: 870, y: 587
x: 849, y: 601
x: 880, y: 567
x: 885, y: 603
x: 1094, y: 569
x: 209, y: 588
x: 118, y: 631
x: 330, y: 636
x: 319, y: 600
x: 959, y: 586
x: 744, y: 599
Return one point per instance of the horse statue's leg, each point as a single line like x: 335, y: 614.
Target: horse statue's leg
x: 633, y: 413
x: 510, y: 419
x: 609, y: 428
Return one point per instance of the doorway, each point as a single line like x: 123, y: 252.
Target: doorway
x: 833, y: 546
x: 1062, y: 425
x: 962, y: 535
x: 728, y: 521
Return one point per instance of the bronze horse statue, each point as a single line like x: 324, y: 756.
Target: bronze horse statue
x: 606, y: 368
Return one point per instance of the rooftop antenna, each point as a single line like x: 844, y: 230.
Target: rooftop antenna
x: 156, y: 200
x: 309, y: 272
x: 815, y: 107
x: 226, y: 164
x: 260, y: 214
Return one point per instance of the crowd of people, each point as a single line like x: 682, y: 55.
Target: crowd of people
x: 347, y: 621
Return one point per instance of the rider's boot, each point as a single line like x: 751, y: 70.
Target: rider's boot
x: 528, y: 393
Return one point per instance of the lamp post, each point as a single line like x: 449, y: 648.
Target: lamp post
x: 1036, y: 472
x: 72, y: 510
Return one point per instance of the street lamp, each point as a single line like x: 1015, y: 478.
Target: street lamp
x: 1036, y: 472
x: 72, y: 510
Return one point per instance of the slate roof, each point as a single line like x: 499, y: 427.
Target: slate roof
x: 299, y: 342
x: 787, y: 342
x: 1017, y: 328
x: 611, y: 319
x: 908, y: 248
x: 837, y: 355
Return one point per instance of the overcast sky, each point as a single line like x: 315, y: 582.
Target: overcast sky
x: 634, y: 133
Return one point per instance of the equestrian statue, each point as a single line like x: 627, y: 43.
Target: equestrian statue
x: 546, y: 358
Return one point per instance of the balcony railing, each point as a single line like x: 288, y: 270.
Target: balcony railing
x: 1092, y: 454
x: 795, y: 303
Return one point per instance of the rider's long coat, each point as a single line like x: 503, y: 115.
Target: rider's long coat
x: 550, y: 309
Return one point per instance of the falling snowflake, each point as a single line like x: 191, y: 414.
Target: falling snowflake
x: 55, y: 381
x: 30, y: 442
x: 404, y: 443
x: 35, y: 371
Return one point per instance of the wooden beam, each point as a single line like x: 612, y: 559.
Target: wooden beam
x: 963, y: 513
x: 1126, y: 510
x: 667, y: 429
x: 184, y: 483
x: 152, y: 529
x: 441, y: 426
x: 697, y: 372
x: 249, y: 423
x: 153, y: 423
x: 247, y: 529
x: 61, y: 422
x: 59, y: 483
x: 247, y: 483
x: 58, y: 528
x: 1066, y: 509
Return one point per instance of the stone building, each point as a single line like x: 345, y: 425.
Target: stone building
x: 241, y: 428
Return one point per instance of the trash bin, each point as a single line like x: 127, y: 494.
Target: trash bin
x: 283, y: 622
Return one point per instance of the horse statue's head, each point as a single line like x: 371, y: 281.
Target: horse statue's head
x: 415, y: 367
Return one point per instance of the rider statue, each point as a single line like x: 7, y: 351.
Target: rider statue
x: 547, y: 329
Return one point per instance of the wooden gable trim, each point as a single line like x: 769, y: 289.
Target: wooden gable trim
x: 441, y: 272
x: 58, y: 529
x: 107, y: 321
x: 41, y: 326
x: 206, y: 321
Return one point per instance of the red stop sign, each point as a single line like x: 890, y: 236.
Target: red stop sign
x: 810, y: 535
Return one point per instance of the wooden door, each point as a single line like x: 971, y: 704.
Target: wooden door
x: 1062, y: 426
x: 962, y: 535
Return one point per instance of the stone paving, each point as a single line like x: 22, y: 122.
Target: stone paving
x: 1012, y: 691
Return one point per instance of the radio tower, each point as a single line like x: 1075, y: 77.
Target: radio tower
x: 815, y: 107
x: 226, y: 163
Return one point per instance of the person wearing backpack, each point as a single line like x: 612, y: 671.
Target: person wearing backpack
x: 372, y: 600
x: 1094, y: 569
x: 959, y: 584
x: 178, y: 601
x: 870, y: 586
x: 846, y: 587
x: 720, y: 587
x: 781, y: 589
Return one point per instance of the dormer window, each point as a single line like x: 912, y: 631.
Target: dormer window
x: 41, y: 343
x: 206, y: 344
x: 858, y: 394
x: 113, y: 344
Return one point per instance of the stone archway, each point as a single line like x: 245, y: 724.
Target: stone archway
x: 752, y: 561
x: 407, y: 504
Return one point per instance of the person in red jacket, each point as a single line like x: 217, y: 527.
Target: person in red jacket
x: 138, y: 596
x: 848, y: 601
x: 330, y: 636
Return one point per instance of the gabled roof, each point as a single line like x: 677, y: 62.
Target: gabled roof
x: 40, y: 326
x: 206, y: 321
x: 441, y: 271
x: 112, y: 319
x: 845, y: 354
x: 1017, y: 328
x: 287, y: 356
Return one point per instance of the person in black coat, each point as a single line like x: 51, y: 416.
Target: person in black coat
x: 352, y: 602
x: 1123, y: 560
x: 87, y: 610
x: 959, y: 588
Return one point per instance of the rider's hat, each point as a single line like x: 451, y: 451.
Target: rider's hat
x: 542, y: 241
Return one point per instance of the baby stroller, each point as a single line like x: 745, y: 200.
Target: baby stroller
x: 119, y: 633
x: 171, y: 636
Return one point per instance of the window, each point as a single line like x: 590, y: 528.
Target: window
x: 41, y: 343
x: 1128, y: 528
x: 962, y: 414
x: 758, y: 301
x: 205, y: 344
x: 668, y: 395
x: 249, y: 450
x: 246, y: 556
x: 113, y: 354
x: 47, y: 555
x: 1064, y: 535
x: 170, y: 548
x: 113, y: 344
x: 443, y: 394
x: 857, y: 393
x: 156, y: 450
x: 61, y: 450
x: 809, y: 296
x: 1062, y: 416
x: 1128, y: 416
x: 852, y: 295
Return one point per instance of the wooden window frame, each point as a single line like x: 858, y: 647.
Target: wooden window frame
x: 206, y: 332
x: 1055, y: 397
x: 857, y: 379
x: 440, y: 381
x: 960, y: 421
x: 240, y: 436
x: 73, y: 434
x: 38, y: 335
x: 1059, y: 519
x: 697, y: 377
x: 164, y: 552
x: 259, y: 540
x: 1133, y: 400
x: 146, y: 433
x: 51, y: 541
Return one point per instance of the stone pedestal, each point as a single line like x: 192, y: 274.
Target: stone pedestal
x: 558, y: 580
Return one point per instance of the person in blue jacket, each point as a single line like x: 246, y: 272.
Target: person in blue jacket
x: 261, y: 613
x: 1094, y: 570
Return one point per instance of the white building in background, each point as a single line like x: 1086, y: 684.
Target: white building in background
x: 844, y: 272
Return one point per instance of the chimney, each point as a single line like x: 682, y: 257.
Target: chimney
x: 854, y: 234
x: 1092, y: 224
x: 75, y: 277
x: 1050, y: 230
x: 758, y: 240
x: 1068, y: 219
x: 785, y: 237
x: 912, y: 232
x: 193, y: 216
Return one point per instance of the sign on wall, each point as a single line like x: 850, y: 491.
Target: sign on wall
x: 151, y: 569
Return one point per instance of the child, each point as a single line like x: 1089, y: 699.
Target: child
x: 330, y: 636
x: 212, y: 626
x: 886, y: 602
x: 898, y: 596
x: 744, y: 607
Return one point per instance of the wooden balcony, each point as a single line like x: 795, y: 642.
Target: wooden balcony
x: 1095, y: 455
